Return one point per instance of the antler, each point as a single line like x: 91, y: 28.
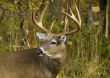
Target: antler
x: 72, y: 16
x: 51, y: 26
x: 39, y: 23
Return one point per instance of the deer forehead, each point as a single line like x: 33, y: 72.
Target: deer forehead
x: 51, y: 37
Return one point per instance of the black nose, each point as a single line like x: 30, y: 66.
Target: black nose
x: 39, y: 52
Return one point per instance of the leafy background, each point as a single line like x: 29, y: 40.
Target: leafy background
x: 88, y: 50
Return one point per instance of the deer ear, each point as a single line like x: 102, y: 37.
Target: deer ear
x: 41, y: 36
x: 63, y: 38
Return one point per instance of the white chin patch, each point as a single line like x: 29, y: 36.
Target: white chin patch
x: 49, y: 55
x: 44, y: 52
x: 54, y: 56
x: 57, y: 56
x: 41, y: 55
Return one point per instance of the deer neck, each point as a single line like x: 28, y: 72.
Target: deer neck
x: 54, y: 65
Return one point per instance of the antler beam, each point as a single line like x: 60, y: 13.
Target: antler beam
x: 39, y: 23
x: 72, y: 16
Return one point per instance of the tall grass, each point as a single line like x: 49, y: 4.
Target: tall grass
x: 86, y: 57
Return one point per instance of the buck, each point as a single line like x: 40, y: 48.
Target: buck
x: 43, y: 62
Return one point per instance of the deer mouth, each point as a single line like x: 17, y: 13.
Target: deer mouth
x: 42, y: 52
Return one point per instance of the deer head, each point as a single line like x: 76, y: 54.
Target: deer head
x: 54, y: 43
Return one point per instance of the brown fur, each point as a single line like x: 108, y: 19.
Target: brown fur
x: 27, y: 64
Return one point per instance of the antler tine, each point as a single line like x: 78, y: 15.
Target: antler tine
x: 52, y: 26
x: 79, y: 18
x: 39, y: 23
x: 65, y: 24
x: 72, y: 16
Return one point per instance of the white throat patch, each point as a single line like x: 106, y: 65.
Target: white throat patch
x: 59, y: 55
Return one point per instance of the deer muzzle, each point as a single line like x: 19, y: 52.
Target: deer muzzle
x: 39, y: 52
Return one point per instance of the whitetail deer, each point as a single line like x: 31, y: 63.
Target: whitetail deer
x: 43, y: 62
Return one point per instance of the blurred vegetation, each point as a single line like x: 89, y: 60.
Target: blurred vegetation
x: 88, y: 50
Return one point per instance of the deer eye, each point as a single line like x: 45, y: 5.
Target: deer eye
x: 53, y: 43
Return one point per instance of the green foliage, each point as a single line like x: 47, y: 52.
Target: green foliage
x: 87, y: 58
x: 89, y: 52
